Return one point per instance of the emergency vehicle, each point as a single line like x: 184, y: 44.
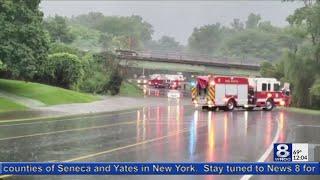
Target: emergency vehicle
x: 175, y: 81
x: 229, y: 92
x: 157, y: 81
x: 171, y: 81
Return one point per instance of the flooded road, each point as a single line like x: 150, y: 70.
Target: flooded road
x: 172, y: 133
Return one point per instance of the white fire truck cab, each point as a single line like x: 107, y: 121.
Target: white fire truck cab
x: 228, y: 92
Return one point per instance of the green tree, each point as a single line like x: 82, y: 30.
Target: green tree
x: 58, y: 29
x: 237, y: 25
x: 253, y: 21
x: 267, y: 70
x: 206, y: 39
x: 302, y: 61
x: 309, y: 16
x: 63, y: 48
x: 106, y: 41
x: 168, y: 43
x: 252, y: 43
x: 102, y: 74
x: 90, y: 20
x: 96, y: 74
x: 86, y: 39
x: 315, y: 89
x: 115, y: 82
x: 300, y: 72
x: 267, y: 27
x: 165, y: 43
x: 132, y: 31
x: 2, y: 66
x: 23, y: 42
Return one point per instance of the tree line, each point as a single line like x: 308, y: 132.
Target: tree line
x: 76, y: 52
x: 300, y: 64
x: 34, y: 49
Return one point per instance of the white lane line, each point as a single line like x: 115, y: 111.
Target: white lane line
x: 66, y: 119
x: 267, y: 152
x: 67, y: 130
x: 301, y: 125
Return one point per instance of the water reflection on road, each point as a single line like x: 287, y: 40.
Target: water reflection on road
x: 210, y: 136
x: 171, y: 133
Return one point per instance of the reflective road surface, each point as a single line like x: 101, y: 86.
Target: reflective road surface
x: 172, y: 133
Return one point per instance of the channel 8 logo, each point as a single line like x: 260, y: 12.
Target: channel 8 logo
x: 282, y: 152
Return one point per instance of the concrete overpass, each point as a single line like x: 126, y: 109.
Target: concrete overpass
x: 183, y: 58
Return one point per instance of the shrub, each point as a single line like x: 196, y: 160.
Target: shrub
x: 64, y: 70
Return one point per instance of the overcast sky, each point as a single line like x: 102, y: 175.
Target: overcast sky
x: 178, y: 18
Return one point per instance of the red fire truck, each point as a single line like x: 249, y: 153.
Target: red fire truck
x: 229, y: 92
x: 175, y: 81
x: 158, y: 81
x: 171, y: 81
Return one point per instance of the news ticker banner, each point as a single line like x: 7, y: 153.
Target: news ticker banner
x: 104, y: 168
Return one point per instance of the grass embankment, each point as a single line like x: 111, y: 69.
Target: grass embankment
x: 305, y: 111
x: 7, y: 105
x: 48, y: 95
x: 129, y: 89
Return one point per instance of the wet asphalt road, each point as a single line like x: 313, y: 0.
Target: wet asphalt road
x: 172, y: 133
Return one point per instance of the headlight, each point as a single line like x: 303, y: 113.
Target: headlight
x: 139, y: 81
x: 145, y: 81
x: 282, y: 103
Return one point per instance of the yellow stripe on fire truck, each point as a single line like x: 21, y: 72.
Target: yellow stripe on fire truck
x: 211, y: 93
x: 194, y: 92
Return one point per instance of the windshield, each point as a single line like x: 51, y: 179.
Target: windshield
x: 276, y: 87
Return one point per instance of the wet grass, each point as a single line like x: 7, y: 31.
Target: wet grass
x: 129, y: 89
x: 48, y: 95
x: 305, y: 111
x: 7, y: 105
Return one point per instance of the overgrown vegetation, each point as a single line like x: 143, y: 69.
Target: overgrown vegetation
x: 102, y: 74
x: 300, y: 65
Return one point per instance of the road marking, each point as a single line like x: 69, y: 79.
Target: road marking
x: 267, y: 152
x: 301, y: 125
x: 125, y: 147
x: 67, y: 130
x: 5, y: 176
x: 49, y: 121
x: 71, y: 119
